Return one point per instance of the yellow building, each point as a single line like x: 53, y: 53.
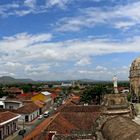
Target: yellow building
x: 44, y: 97
x: 39, y: 97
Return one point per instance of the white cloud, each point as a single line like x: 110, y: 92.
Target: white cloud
x: 83, y: 62
x: 101, y: 68
x: 30, y: 3
x: 36, y: 70
x: 5, y: 8
x: 122, y: 17
x: 37, y: 47
x: 27, y: 7
x: 60, y: 3
x: 22, y: 12
x: 22, y: 40
x: 6, y: 73
x: 36, y: 56
x: 104, y: 73
x: 124, y: 24
x: 12, y: 64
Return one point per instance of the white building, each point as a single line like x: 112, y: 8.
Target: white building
x: 8, y: 124
x: 28, y: 112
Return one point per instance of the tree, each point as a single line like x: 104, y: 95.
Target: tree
x: 93, y: 94
x: 26, y: 88
x: 86, y: 96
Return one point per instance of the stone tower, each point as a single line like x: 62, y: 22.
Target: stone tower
x: 134, y: 76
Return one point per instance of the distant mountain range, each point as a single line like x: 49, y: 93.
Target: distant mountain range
x: 11, y: 80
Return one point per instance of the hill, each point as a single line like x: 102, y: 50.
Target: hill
x: 11, y: 80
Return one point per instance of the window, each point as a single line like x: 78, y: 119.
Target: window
x: 112, y: 102
x: 11, y: 107
x: 1, y: 135
x: 1, y: 106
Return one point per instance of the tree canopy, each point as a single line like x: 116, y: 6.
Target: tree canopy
x: 93, y: 95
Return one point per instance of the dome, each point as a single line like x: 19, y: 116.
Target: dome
x: 135, y: 68
x: 136, y: 62
x: 137, y: 59
x: 134, y: 76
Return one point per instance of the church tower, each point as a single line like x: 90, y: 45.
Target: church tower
x: 134, y: 76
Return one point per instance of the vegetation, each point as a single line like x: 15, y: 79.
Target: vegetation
x: 93, y: 95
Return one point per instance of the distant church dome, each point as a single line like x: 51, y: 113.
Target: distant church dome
x: 134, y: 76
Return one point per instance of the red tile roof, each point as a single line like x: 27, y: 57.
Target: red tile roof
x: 39, y: 103
x: 14, y: 90
x: 7, y: 115
x: 54, y: 95
x: 40, y: 128
x: 27, y: 108
x: 81, y: 108
x: 61, y: 125
x: 81, y: 117
x: 25, y: 96
x: 69, y: 119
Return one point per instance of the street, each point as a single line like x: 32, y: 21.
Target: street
x: 32, y: 125
x: 28, y: 127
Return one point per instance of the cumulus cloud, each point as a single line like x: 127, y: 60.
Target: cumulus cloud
x: 38, y: 45
x: 22, y: 40
x: 105, y: 73
x: 36, y: 56
x: 83, y: 62
x: 12, y: 64
x: 35, y: 70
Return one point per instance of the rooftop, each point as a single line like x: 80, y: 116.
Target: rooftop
x: 39, y: 103
x: 13, y: 90
x: 7, y: 116
x: 27, y: 108
x: 70, y: 119
x: 46, y: 93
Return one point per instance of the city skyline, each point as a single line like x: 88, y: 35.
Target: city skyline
x: 68, y: 39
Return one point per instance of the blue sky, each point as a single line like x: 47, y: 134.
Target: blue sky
x: 68, y: 39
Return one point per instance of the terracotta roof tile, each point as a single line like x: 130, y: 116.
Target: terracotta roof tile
x: 27, y: 108
x: 40, y: 128
x: 69, y: 119
x: 39, y: 103
x: 81, y: 108
x: 7, y: 115
x: 61, y: 125
x: 54, y: 95
x: 13, y: 90
x: 80, y: 117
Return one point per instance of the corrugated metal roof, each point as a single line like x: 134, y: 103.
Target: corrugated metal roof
x: 46, y: 93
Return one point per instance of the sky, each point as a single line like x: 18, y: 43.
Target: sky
x: 68, y: 39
